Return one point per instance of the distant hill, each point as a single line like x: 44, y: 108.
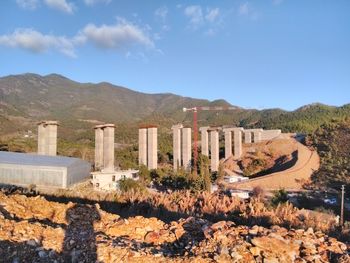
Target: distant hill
x: 28, y: 98
x: 332, y: 141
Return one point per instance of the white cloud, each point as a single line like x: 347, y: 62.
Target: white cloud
x: 161, y: 12
x: 248, y: 10
x: 194, y: 12
x: 94, y: 2
x: 121, y: 35
x: 212, y: 14
x: 61, y: 5
x: 28, y: 4
x: 244, y: 9
x: 37, y: 42
x: 209, y: 19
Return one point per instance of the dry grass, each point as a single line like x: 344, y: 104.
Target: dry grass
x: 214, y: 207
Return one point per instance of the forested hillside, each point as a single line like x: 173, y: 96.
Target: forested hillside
x: 28, y: 98
x: 332, y: 141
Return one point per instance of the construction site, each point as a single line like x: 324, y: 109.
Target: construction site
x: 247, y: 157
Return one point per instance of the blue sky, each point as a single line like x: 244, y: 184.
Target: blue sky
x: 254, y: 54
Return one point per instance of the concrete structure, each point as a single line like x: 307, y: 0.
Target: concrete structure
x: 177, y: 145
x: 186, y: 148
x: 41, y: 170
x: 204, y: 140
x: 152, y: 148
x: 47, y: 138
x: 214, y: 149
x: 108, y: 147
x: 42, y: 138
x: 98, y: 147
x: 143, y: 146
x: 247, y: 136
x: 270, y: 134
x: 148, y: 147
x: 228, y: 142
x: 237, y: 142
x: 257, y: 135
x: 51, y: 131
x: 110, y: 180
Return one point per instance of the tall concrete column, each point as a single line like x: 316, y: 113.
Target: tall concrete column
x: 108, y: 147
x: 204, y: 140
x: 214, y: 150
x: 98, y: 147
x: 177, y: 145
x: 257, y: 135
x: 152, y: 147
x: 51, y: 137
x: 228, y: 143
x: 247, y: 137
x: 143, y: 146
x: 186, y: 148
x: 41, y: 138
x: 237, y: 142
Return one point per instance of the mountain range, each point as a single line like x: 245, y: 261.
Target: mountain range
x: 28, y: 98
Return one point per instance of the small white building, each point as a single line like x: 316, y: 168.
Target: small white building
x: 234, y: 178
x: 110, y: 180
x: 240, y: 193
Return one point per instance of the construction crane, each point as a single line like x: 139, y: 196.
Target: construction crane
x: 195, y: 126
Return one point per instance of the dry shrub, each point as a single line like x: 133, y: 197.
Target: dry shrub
x: 214, y: 207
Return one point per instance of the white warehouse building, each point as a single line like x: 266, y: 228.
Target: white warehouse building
x: 24, y: 169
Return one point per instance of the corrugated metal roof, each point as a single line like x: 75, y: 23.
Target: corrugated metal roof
x: 38, y: 160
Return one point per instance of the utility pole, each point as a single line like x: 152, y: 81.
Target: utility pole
x: 342, y: 206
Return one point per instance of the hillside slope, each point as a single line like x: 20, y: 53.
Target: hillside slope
x: 28, y: 98
x: 332, y: 142
x: 292, y: 178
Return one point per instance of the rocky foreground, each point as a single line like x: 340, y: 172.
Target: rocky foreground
x: 36, y: 230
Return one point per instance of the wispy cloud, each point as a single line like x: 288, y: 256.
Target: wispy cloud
x: 94, y: 2
x: 212, y: 14
x: 246, y: 9
x: 161, y: 13
x: 121, y: 35
x: 195, y: 14
x: 209, y: 18
x: 198, y: 16
x: 37, y: 42
x: 28, y: 4
x: 61, y: 5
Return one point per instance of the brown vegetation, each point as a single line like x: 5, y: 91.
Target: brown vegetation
x: 36, y: 230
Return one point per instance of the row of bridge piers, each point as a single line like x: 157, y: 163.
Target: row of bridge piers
x: 148, y: 143
x: 210, y: 143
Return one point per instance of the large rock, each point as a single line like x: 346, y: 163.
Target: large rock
x: 275, y: 248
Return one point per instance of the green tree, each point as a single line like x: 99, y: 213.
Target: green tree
x: 144, y: 175
x: 280, y: 196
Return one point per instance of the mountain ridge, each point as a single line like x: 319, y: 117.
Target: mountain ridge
x: 28, y: 98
